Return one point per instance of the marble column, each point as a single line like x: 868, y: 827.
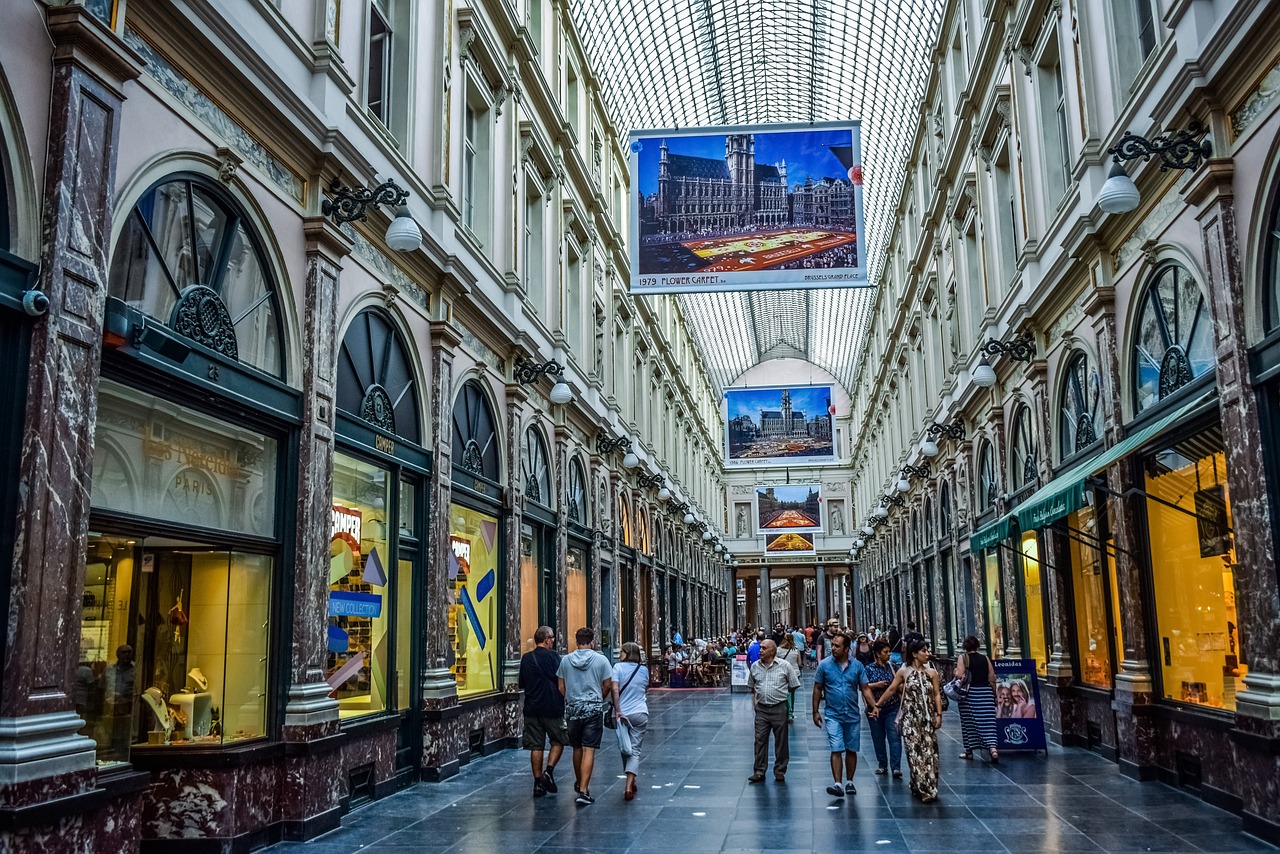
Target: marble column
x: 658, y: 625
x: 561, y: 487
x: 42, y: 756
x: 765, y: 607
x: 823, y: 604
x: 516, y: 415
x: 729, y: 613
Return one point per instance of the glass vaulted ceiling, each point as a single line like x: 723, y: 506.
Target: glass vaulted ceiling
x: 684, y: 63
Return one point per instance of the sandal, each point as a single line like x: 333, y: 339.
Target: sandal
x: 968, y: 754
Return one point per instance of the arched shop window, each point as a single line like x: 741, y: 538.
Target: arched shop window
x: 376, y: 545
x: 1023, y: 450
x: 475, y: 439
x: 475, y: 538
x: 1271, y: 268
x: 944, y: 509
x: 579, y: 499
x: 928, y: 521
x: 375, y: 377
x: 535, y: 473
x: 624, y: 522
x: 988, y: 486
x: 1174, y: 341
x: 189, y: 258
x: 1079, y: 421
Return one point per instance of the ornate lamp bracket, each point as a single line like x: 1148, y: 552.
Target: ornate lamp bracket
x: 1177, y: 149
x: 347, y: 204
x: 527, y: 372
x: 1018, y: 349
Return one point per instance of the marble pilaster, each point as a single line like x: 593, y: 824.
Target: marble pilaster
x: 516, y: 415
x: 561, y: 486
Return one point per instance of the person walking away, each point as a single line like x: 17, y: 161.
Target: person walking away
x: 797, y: 638
x: 770, y: 681
x: 884, y: 734
x: 543, y: 709
x: 911, y: 634
x: 919, y: 718
x: 788, y: 653
x: 838, y: 680
x: 753, y: 651
x: 978, y: 709
x: 896, y: 647
x: 631, y: 709
x: 585, y: 681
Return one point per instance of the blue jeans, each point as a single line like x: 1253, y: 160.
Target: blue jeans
x: 882, y: 728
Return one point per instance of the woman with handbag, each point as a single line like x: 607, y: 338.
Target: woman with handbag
x: 977, y: 703
x: 919, y: 717
x: 631, y: 711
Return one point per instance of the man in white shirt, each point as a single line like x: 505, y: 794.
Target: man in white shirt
x: 771, y: 681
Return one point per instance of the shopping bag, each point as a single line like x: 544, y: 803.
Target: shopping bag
x: 624, y: 740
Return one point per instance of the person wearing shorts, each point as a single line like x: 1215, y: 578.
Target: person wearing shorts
x: 543, y: 709
x: 586, y: 680
x: 838, y: 681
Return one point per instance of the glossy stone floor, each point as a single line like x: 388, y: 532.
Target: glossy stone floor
x: 694, y: 797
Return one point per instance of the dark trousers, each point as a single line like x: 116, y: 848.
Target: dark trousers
x: 772, y: 719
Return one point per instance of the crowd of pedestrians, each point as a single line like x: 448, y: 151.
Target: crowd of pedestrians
x: 886, y: 677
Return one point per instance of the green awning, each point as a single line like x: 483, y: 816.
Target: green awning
x: 990, y: 534
x: 1065, y: 494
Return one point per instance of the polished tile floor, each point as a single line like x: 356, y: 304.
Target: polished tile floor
x: 694, y: 797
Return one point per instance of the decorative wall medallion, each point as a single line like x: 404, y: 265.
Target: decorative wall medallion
x: 471, y: 458
x: 201, y: 316
x: 377, y: 408
x: 1175, y: 371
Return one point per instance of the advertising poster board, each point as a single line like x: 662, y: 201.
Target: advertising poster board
x: 778, y: 426
x: 1019, y: 718
x: 789, y: 543
x: 751, y: 207
x: 738, y: 672
x: 790, y: 507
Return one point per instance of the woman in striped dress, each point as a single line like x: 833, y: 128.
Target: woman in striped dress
x: 978, y: 710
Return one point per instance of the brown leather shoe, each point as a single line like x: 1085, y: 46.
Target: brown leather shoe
x: 756, y: 778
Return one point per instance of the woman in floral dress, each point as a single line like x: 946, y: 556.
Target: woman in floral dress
x: 919, y: 718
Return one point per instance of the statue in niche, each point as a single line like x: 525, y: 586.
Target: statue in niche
x: 742, y: 521
x: 837, y: 518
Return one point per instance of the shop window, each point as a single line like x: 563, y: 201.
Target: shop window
x: 1079, y: 412
x: 1271, y: 270
x: 188, y: 257
x: 475, y: 440
x: 1033, y: 593
x: 1023, y: 451
x: 1174, y: 342
x: 988, y: 486
x: 375, y: 377
x: 576, y: 589
x: 535, y: 573
x: 624, y: 522
x: 993, y: 589
x: 535, y: 471
x: 1202, y: 653
x: 1094, y: 590
x: 473, y: 599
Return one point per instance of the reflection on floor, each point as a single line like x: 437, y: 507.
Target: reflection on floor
x: 694, y: 797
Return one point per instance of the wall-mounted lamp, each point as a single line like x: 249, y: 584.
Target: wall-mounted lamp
x: 664, y: 494
x: 984, y: 376
x: 954, y: 430
x: 1022, y: 349
x: 645, y: 481
x: 528, y: 373
x: 859, y: 543
x: 605, y: 445
x: 347, y: 204
x: 1181, y: 149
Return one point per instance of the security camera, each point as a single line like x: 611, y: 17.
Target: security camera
x: 35, y: 303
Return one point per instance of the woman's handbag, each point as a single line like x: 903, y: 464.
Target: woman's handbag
x: 958, y: 689
x: 608, y: 712
x: 624, y: 740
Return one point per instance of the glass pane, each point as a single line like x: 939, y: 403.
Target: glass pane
x: 1201, y: 650
x: 247, y: 617
x: 105, y: 691
x: 210, y: 231
x: 358, y: 607
x: 1031, y: 576
x: 408, y: 509
x: 164, y: 210
x: 995, y: 603
x: 404, y: 634
x: 529, y: 577
x: 473, y: 599
x: 246, y: 292
x: 137, y: 275
x: 1089, y: 597
x: 165, y: 461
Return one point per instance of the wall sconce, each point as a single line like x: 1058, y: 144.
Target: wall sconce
x: 347, y: 204
x: 1022, y: 349
x: 1181, y: 149
x: 527, y: 373
x: 954, y: 430
x: 645, y: 481
x: 605, y: 445
x: 984, y: 376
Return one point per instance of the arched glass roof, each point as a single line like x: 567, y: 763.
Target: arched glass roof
x: 685, y: 63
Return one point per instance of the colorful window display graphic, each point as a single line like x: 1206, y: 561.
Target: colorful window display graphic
x: 789, y: 543
x: 747, y: 208
x: 473, y: 599
x: 792, y: 507
x: 778, y: 426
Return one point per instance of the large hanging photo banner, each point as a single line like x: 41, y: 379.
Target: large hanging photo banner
x: 778, y: 426
x: 1019, y: 722
x: 746, y: 208
x: 790, y: 507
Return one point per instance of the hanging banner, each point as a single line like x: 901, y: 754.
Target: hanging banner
x: 791, y: 507
x: 760, y: 207
x: 1019, y: 722
x: 778, y: 426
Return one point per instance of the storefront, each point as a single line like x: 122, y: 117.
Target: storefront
x: 538, y: 577
x: 183, y: 625
x: 578, y: 581
x: 377, y: 545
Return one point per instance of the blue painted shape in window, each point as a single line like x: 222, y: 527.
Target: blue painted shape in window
x: 473, y: 617
x: 485, y: 586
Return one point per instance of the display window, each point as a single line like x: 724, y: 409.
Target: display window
x: 575, y: 583
x: 1094, y: 586
x: 370, y: 591
x: 994, y: 592
x: 1202, y: 653
x: 177, y: 578
x: 475, y: 551
x: 1033, y: 593
x: 532, y: 566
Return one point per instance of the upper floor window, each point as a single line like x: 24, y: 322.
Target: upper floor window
x: 1079, y: 425
x: 988, y: 486
x: 189, y: 258
x: 1023, y: 452
x: 578, y: 495
x: 534, y: 468
x: 475, y: 166
x: 1145, y: 21
x: 475, y: 436
x: 1053, y: 128
x: 378, y: 82
x: 1174, y: 341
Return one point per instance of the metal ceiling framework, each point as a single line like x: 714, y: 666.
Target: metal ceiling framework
x: 690, y: 63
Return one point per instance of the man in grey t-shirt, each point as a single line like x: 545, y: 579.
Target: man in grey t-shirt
x: 586, y: 679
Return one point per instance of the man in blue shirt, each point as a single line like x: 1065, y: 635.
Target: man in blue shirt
x: 753, y: 651
x: 839, y: 680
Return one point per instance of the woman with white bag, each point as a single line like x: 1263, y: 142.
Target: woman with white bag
x: 631, y: 711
